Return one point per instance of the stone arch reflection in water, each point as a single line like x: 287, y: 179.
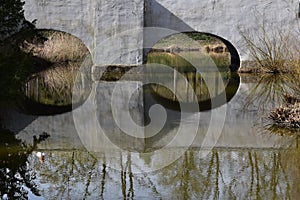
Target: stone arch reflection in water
x: 174, y: 50
x: 58, y: 57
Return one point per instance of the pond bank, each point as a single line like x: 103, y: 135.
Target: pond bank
x: 203, y: 46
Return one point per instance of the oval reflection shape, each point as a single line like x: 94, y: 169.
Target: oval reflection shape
x: 56, y: 59
x: 50, y: 91
x: 195, y: 80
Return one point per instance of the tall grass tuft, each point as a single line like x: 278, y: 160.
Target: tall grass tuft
x: 273, y: 50
x: 64, y: 55
x: 52, y: 86
x: 57, y: 47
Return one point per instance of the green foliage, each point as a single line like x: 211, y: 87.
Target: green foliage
x: 11, y: 15
x: 185, y: 40
x: 201, y: 36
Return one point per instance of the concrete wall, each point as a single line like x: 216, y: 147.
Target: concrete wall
x: 111, y: 29
x: 223, y: 18
x: 74, y: 17
x: 97, y: 23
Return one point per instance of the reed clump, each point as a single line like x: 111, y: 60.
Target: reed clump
x: 289, y: 115
x: 55, y: 47
x: 62, y: 56
x: 60, y: 77
x: 273, y: 50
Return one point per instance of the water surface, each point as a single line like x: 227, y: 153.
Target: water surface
x: 248, y: 160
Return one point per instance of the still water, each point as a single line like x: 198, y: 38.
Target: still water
x: 247, y: 159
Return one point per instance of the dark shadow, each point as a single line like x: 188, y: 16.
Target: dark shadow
x: 17, y: 111
x: 158, y: 16
x: 15, y: 173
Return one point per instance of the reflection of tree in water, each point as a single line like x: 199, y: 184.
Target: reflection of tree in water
x: 127, y: 170
x: 223, y: 174
x: 15, y: 174
x: 67, y: 173
x: 269, y: 92
x: 187, y: 179
x: 193, y: 180
x: 252, y: 174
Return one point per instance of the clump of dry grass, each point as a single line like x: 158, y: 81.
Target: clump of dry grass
x: 60, y: 76
x: 290, y: 99
x: 54, y: 85
x: 273, y: 50
x: 56, y: 47
x: 289, y: 115
x: 63, y: 47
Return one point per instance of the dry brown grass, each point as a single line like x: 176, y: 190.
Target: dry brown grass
x: 63, y: 47
x: 61, y: 56
x: 60, y: 77
x: 54, y: 85
x: 57, y: 47
x: 274, y: 50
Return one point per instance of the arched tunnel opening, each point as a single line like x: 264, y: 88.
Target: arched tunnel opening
x: 235, y: 61
x: 203, y: 40
x: 55, y: 59
x: 183, y: 52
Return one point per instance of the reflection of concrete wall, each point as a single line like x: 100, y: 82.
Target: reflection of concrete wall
x: 118, y: 113
x: 96, y: 120
x: 239, y: 131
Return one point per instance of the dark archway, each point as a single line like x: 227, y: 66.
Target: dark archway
x: 234, y: 55
x: 162, y: 22
x: 57, y: 59
x: 205, y: 98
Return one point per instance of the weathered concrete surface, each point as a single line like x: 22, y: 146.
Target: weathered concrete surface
x: 222, y: 17
x: 97, y: 24
x: 111, y: 29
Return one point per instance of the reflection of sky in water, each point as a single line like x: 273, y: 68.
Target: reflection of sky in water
x: 246, y: 162
x: 224, y: 172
